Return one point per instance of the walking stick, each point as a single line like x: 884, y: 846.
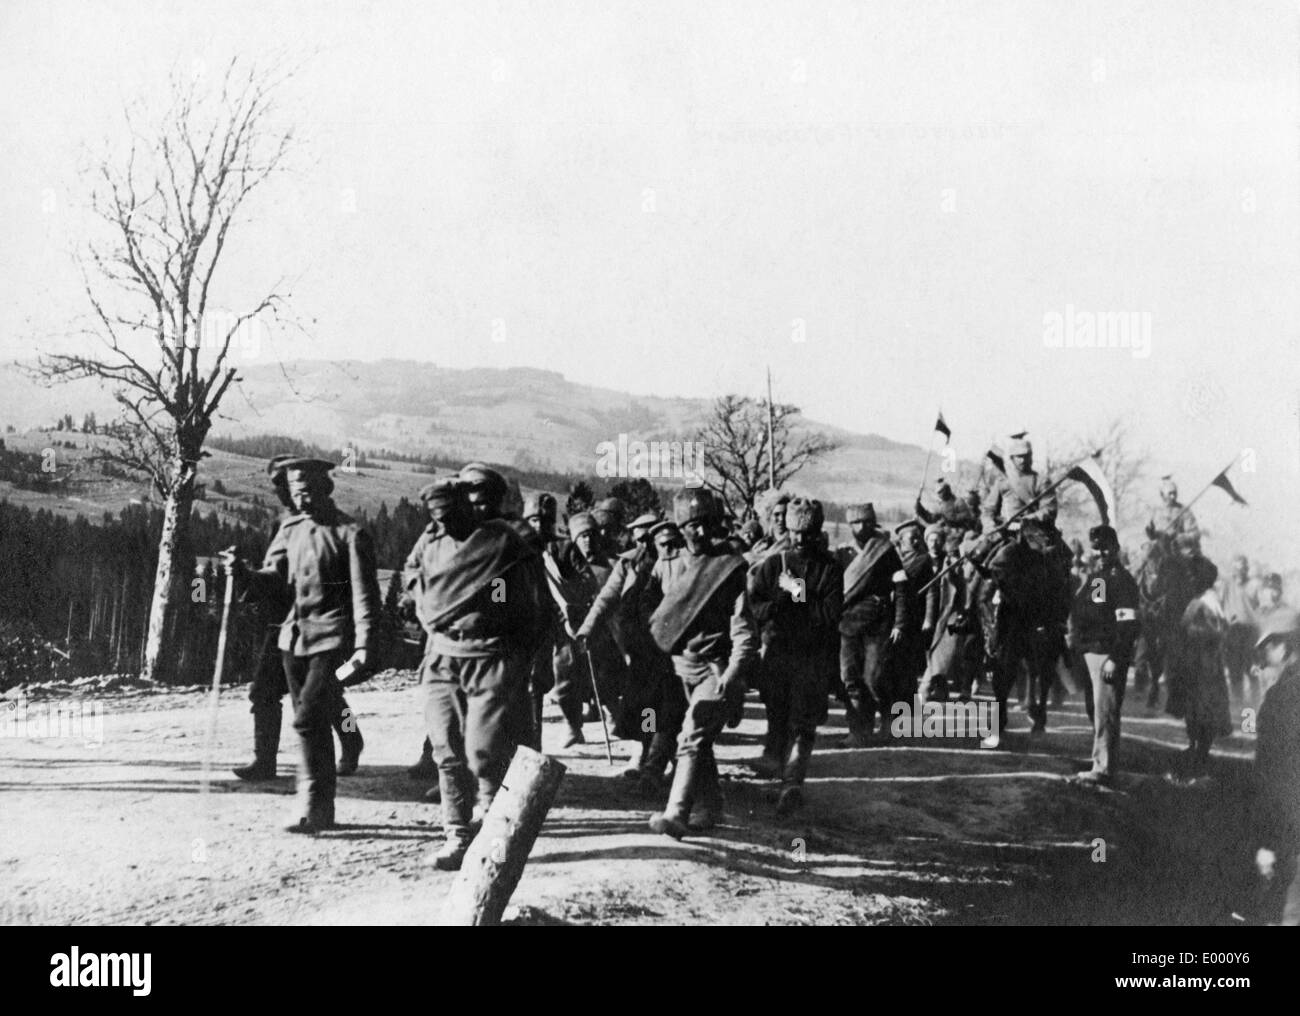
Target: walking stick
x: 215, y: 697
x: 604, y: 726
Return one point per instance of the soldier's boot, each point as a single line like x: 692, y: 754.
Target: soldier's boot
x: 316, y: 775
x: 796, y: 769
x: 672, y: 821
x: 266, y: 744
x: 775, y: 745
x: 457, y: 813
x: 634, y: 770
x: 708, y: 806
x: 859, y: 726
x: 426, y: 768
x: 651, y: 781
x: 350, y: 741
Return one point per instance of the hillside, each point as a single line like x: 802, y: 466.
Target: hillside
x: 519, y: 416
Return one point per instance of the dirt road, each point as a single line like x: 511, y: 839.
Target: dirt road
x: 932, y: 832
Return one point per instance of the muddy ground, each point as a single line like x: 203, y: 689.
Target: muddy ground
x: 934, y: 832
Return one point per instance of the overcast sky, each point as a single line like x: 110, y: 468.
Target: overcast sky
x: 883, y: 201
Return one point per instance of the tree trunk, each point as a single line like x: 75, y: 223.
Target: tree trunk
x: 495, y: 860
x: 158, y: 659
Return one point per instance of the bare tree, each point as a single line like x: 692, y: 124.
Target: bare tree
x: 163, y: 213
x: 735, y: 443
x: 1124, y: 462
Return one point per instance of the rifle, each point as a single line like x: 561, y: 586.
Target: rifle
x: 1024, y: 508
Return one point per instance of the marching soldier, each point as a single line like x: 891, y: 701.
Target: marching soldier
x: 800, y: 592
x: 905, y: 661
x: 651, y: 686
x: 482, y: 609
x: 329, y: 563
x: 874, y: 615
x: 1104, y: 627
x: 267, y: 689
x: 583, y: 569
x: 540, y: 511
x: 699, y: 613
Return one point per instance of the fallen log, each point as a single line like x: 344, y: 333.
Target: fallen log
x: 495, y: 860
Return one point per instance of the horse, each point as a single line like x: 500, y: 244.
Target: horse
x: 1022, y: 599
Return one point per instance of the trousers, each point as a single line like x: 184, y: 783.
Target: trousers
x: 316, y: 694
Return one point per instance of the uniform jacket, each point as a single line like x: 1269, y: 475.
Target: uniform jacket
x: 1162, y: 522
x: 874, y: 582
x: 1011, y: 492
x: 479, y: 596
x: 718, y: 627
x: 328, y: 562
x: 806, y: 623
x: 1104, y: 614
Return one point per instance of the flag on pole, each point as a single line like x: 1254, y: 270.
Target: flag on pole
x: 1089, y: 473
x: 942, y: 428
x: 1223, y: 483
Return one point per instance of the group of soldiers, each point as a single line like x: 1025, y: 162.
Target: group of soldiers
x: 657, y: 627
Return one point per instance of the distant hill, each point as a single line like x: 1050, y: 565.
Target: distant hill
x: 528, y: 418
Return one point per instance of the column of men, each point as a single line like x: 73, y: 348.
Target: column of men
x: 658, y: 627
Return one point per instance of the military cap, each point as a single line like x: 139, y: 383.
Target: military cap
x: 275, y: 464
x: 603, y: 517
x: 695, y: 504
x: 1019, y: 445
x: 476, y: 474
x: 541, y: 505
x: 1283, y: 623
x: 443, y: 492
x: 1103, y: 536
x: 580, y: 523
x: 1167, y: 483
x: 307, y: 464
x: 804, y: 515
x: 659, y: 527
x: 648, y: 519
x: 860, y: 513
x: 902, y: 528
x: 936, y: 529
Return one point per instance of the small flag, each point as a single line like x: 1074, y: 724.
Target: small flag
x: 942, y: 428
x: 1223, y: 483
x: 1089, y: 473
x: 994, y: 456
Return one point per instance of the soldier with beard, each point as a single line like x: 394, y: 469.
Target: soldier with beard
x: 482, y: 608
x: 328, y: 562
x: 267, y: 689
x: 698, y: 612
x: 800, y: 592
x: 874, y: 616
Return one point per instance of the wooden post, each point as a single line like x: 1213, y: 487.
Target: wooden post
x: 495, y: 861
